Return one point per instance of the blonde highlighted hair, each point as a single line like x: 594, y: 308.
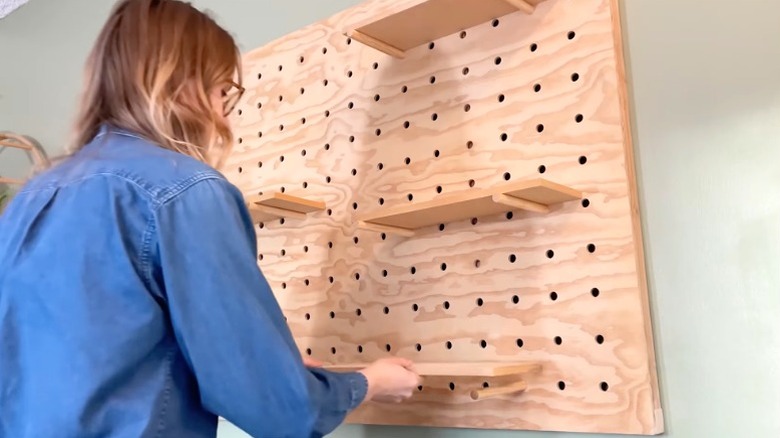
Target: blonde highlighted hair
x: 152, y: 71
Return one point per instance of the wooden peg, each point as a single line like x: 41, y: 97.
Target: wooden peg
x: 522, y: 5
x: 522, y: 204
x: 376, y: 44
x: 481, y: 394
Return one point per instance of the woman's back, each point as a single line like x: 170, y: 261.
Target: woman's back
x: 82, y: 312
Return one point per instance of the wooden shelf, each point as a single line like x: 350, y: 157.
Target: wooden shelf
x: 405, y: 25
x: 279, y: 205
x: 465, y: 369
x: 534, y: 195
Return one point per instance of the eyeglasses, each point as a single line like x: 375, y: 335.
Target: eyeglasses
x: 231, y: 96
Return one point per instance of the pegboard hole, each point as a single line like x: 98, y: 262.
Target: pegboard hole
x: 512, y: 258
x: 360, y: 348
x: 432, y: 79
x: 571, y: 35
x: 504, y: 136
x: 434, y: 117
x: 480, y: 302
x: 351, y: 105
x: 284, y: 285
x: 539, y: 128
x: 474, y: 221
x: 349, y: 73
x: 441, y: 227
x: 377, y: 97
x: 410, y: 197
x: 418, y: 347
x: 301, y: 59
x: 307, y: 316
x: 550, y: 253
x: 495, y: 22
x: 281, y: 158
x: 542, y: 168
x: 378, y: 132
x: 515, y: 299
x: 467, y: 107
x: 595, y: 292
x: 261, y: 257
x: 575, y: 77
x: 284, y: 252
x: 501, y: 97
x: 357, y: 275
x: 436, y: 153
x: 431, y: 45
x: 558, y: 340
x: 438, y: 189
x: 463, y: 34
x: 483, y: 343
x: 240, y: 140
x: 303, y: 90
x: 477, y: 263
x: 519, y: 342
x: 281, y: 98
x: 599, y: 339
x: 259, y: 164
x: 305, y: 248
x: 351, y: 138
x: 386, y: 310
x: 356, y: 240
x: 443, y: 266
x: 537, y: 88
x: 381, y: 201
x: 452, y: 386
x: 384, y: 273
x: 328, y: 179
x: 534, y: 47
x: 240, y: 169
x: 331, y: 279
x: 380, y: 166
x: 306, y: 282
x: 303, y: 152
x: 330, y: 244
x: 583, y: 159
x: 578, y: 118
x: 465, y: 71
x: 282, y: 189
x: 383, y: 236
x: 498, y: 60
x: 553, y: 295
x: 604, y: 386
x: 448, y: 345
x: 280, y: 67
x: 327, y: 113
x: 586, y: 203
x: 325, y: 82
x: 332, y: 315
x: 324, y: 50
x: 354, y: 172
x: 446, y: 304
x: 375, y: 65
x: 333, y: 350
x: 415, y: 307
x: 388, y: 347
x: 561, y: 385
x: 281, y: 221
x: 358, y: 312
x: 404, y: 89
x: 507, y: 176
x: 259, y: 76
x: 308, y: 351
x: 509, y: 215
x: 591, y: 248
x: 472, y: 183
x: 259, y: 105
x: 413, y: 270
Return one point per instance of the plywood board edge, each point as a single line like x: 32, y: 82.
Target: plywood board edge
x: 625, y: 113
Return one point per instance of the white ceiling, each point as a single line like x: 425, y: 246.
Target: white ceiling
x: 8, y: 6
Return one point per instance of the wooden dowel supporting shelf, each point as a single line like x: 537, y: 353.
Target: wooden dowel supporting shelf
x: 513, y: 388
x: 405, y: 24
x: 279, y: 205
x: 535, y: 195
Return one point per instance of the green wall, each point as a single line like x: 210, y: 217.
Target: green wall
x: 704, y: 79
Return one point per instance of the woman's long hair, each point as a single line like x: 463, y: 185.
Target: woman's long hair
x: 152, y: 72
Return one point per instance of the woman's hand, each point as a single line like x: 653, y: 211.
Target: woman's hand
x: 311, y: 363
x: 391, y: 380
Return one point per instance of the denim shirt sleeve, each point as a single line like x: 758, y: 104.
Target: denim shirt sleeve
x: 229, y: 325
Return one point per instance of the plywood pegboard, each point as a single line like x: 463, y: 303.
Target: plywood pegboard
x: 516, y: 98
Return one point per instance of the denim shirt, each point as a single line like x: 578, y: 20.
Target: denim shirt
x: 131, y: 305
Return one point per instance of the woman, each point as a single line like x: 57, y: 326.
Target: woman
x: 131, y: 304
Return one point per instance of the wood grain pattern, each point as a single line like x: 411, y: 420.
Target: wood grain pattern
x: 522, y: 97
x: 460, y: 369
